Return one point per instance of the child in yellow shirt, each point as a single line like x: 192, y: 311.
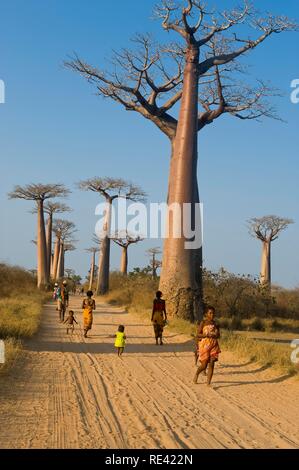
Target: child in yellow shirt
x: 120, y: 340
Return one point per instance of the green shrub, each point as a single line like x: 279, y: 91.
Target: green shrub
x: 236, y: 324
x: 224, y: 323
x: 276, y: 326
x: 257, y: 325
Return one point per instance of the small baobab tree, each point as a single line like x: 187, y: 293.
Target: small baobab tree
x: 154, y: 262
x: 124, y: 240
x: 40, y: 193
x: 109, y: 189
x: 198, y: 73
x: 63, y: 229
x: 93, y: 250
x: 67, y: 246
x: 267, y: 229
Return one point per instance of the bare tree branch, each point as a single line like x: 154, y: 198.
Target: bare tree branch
x: 63, y: 229
x: 38, y: 192
x: 125, y: 239
x: 267, y: 228
x: 112, y: 188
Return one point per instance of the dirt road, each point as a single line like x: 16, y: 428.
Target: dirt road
x: 71, y: 392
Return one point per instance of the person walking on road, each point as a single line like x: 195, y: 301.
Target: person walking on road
x: 88, y: 306
x: 159, y: 316
x: 208, y: 346
x: 120, y: 340
x: 70, y: 322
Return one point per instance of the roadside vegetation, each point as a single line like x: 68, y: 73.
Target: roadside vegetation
x: 20, y: 308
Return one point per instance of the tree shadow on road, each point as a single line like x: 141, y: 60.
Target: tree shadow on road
x: 227, y: 384
x: 251, y: 371
x: 87, y: 346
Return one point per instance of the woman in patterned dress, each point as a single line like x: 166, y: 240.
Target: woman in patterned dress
x: 88, y: 306
x: 208, y: 347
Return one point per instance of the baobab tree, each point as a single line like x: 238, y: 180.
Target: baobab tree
x: 267, y: 229
x: 51, y: 208
x: 124, y: 240
x: 199, y: 71
x: 109, y: 189
x: 63, y: 229
x: 40, y: 193
x: 67, y: 246
x: 93, y: 250
x: 154, y: 262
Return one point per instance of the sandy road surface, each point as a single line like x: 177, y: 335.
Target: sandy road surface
x: 68, y: 392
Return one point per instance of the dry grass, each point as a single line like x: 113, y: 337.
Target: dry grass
x: 20, y: 309
x: 19, y: 318
x: 13, y: 348
x: 266, y: 353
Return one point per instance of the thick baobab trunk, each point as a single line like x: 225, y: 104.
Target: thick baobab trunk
x: 62, y: 263
x: 124, y: 260
x: 104, y: 262
x: 180, y: 266
x: 60, y: 267
x: 42, y: 278
x: 49, y: 244
x: 265, y: 277
x: 92, y: 264
x: 56, y: 259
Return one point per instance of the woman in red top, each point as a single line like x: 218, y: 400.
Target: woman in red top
x: 159, y: 316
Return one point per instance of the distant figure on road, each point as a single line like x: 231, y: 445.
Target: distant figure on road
x: 65, y: 293
x: 159, y: 316
x: 55, y: 291
x: 70, y: 322
x: 120, y: 340
x: 208, y: 347
x: 62, y: 300
x: 88, y: 306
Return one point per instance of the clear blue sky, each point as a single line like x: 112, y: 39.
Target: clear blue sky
x: 53, y: 129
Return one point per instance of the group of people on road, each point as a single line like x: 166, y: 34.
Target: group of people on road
x: 206, y: 340
x: 61, y: 295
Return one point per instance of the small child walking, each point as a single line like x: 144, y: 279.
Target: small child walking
x: 70, y: 322
x: 120, y: 340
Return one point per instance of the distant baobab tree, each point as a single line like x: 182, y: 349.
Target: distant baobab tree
x: 124, y: 240
x: 51, y: 208
x: 154, y: 262
x: 93, y: 250
x: 267, y: 229
x: 40, y: 193
x: 109, y: 189
x: 199, y: 71
x: 67, y: 246
x: 69, y: 272
x: 63, y: 229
